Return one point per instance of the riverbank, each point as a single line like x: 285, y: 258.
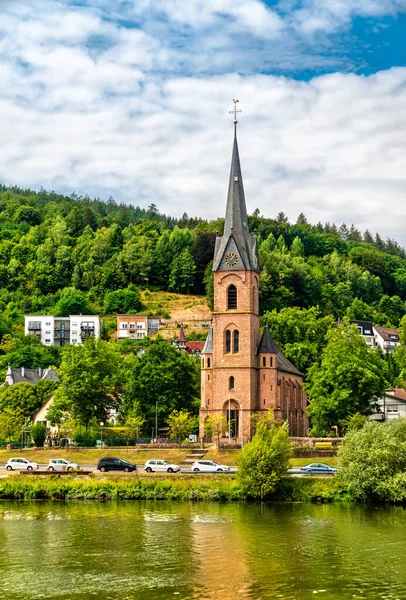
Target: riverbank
x: 179, y: 488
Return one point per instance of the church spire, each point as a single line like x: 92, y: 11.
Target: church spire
x: 236, y: 249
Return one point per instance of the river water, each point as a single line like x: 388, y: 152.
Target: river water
x: 159, y: 550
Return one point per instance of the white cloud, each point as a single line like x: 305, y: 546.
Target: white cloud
x: 118, y: 116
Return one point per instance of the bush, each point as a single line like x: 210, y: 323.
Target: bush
x: 123, y: 301
x: 374, y: 462
x: 265, y: 460
x: 39, y: 434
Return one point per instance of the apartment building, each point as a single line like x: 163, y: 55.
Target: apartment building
x: 366, y: 329
x: 136, y: 326
x: 59, y: 331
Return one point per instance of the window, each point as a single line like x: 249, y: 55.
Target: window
x: 236, y: 341
x: 231, y: 383
x: 208, y: 377
x: 228, y: 342
x: 264, y: 361
x: 202, y: 363
x: 231, y: 297
x: 140, y: 325
x: 264, y: 401
x: 367, y: 339
x: 124, y: 325
x: 208, y: 362
x: 271, y: 361
x: 271, y: 388
x: 48, y: 324
x: 47, y: 341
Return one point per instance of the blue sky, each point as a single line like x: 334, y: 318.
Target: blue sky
x: 131, y: 99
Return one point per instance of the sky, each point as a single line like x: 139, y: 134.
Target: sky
x: 131, y: 99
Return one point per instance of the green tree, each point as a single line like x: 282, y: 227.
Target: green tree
x: 348, y: 379
x: 373, y: 461
x: 183, y: 271
x: 180, y: 424
x: 90, y: 380
x: 164, y: 374
x: 264, y: 460
x: 73, y: 302
x: 123, y: 301
x: 11, y: 423
x: 38, y: 433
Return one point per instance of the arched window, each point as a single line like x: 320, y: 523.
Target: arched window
x: 228, y: 341
x: 236, y: 341
x: 208, y: 362
x: 231, y: 383
x: 203, y: 363
x: 270, y: 361
x: 231, y: 297
x: 264, y: 361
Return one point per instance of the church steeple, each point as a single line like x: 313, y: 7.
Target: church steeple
x: 236, y: 249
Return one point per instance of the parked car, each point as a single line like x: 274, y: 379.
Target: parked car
x: 319, y: 469
x: 21, y: 464
x: 155, y: 466
x: 115, y: 464
x: 208, y: 466
x: 62, y: 464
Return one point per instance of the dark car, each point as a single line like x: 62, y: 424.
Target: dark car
x: 115, y: 464
x: 319, y: 469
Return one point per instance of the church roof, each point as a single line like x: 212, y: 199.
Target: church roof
x: 236, y: 238
x: 208, y: 345
x: 267, y: 344
x: 181, y: 337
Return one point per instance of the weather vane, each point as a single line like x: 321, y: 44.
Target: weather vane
x: 235, y: 112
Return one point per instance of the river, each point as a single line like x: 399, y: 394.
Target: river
x: 160, y: 550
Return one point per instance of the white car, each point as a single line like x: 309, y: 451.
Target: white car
x: 209, y: 466
x: 156, y: 466
x: 62, y: 464
x: 21, y: 464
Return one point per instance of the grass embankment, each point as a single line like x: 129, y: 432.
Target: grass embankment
x: 181, y: 488
x: 90, y: 456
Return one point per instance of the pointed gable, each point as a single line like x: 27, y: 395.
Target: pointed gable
x: 208, y: 345
x: 267, y: 345
x: 236, y: 249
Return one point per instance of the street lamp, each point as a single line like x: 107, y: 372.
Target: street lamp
x: 101, y: 434
x: 242, y: 429
x: 156, y: 420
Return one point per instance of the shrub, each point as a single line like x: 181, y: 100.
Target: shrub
x: 374, y: 462
x: 123, y: 301
x: 38, y: 434
x: 265, y: 460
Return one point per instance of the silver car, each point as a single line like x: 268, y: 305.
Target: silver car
x: 209, y: 466
x: 21, y: 464
x: 62, y: 464
x: 156, y: 466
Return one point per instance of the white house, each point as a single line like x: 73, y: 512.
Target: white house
x: 59, y: 331
x: 391, y: 406
x: 386, y: 338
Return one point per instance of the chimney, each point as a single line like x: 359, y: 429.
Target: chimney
x: 22, y: 371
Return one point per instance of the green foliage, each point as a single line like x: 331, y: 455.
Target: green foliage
x: 355, y: 421
x: 38, y: 433
x: 123, y: 301
x: 182, y: 274
x: 91, y: 381
x: 373, y: 460
x: 349, y: 378
x: 264, y: 460
x: 11, y: 423
x: 73, y: 302
x: 180, y: 424
x: 164, y: 374
x: 26, y: 397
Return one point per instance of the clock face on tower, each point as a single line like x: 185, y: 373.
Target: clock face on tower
x: 231, y: 259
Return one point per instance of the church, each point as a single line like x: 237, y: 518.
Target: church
x: 244, y: 373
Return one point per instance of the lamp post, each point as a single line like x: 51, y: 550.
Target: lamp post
x: 242, y: 429
x: 156, y: 420
x: 101, y: 434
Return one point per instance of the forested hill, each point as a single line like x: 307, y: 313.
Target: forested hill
x: 62, y: 254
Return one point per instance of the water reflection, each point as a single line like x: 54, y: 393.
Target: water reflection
x: 157, y: 550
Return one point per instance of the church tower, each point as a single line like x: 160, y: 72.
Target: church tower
x: 243, y: 373
x: 229, y: 360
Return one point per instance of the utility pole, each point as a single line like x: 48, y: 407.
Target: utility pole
x: 156, y: 420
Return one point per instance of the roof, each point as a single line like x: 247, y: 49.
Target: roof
x: 32, y: 376
x: 267, y: 344
x: 194, y: 347
x: 236, y: 238
x: 366, y: 326
x: 208, y: 345
x: 181, y: 337
x: 387, y: 332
